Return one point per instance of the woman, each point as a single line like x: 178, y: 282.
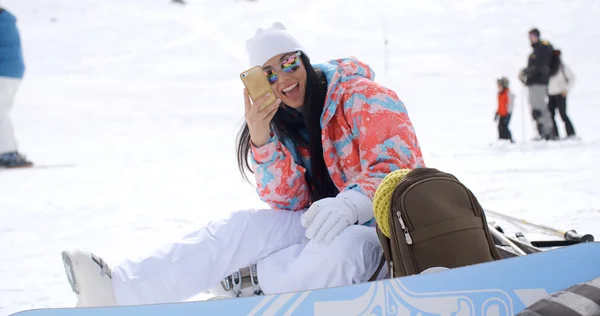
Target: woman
x: 561, y: 82
x: 318, y: 154
x: 12, y: 69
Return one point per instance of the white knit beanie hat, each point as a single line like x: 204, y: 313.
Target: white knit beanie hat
x: 270, y: 41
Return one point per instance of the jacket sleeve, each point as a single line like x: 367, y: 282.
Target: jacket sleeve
x: 280, y: 180
x: 569, y: 77
x: 383, y: 132
x: 511, y: 102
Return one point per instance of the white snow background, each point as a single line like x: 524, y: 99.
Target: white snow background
x: 143, y: 97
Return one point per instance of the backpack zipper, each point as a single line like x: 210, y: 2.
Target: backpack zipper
x: 404, y: 229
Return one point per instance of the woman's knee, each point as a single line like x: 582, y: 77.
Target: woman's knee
x: 358, y: 245
x: 265, y: 224
x: 351, y: 257
x: 358, y: 234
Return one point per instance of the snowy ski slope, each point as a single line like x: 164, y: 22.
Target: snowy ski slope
x: 143, y: 97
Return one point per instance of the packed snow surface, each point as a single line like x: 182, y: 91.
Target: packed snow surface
x: 137, y: 103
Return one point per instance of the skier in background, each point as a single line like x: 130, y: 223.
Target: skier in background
x: 536, y: 76
x: 561, y: 82
x: 12, y: 69
x: 505, y: 108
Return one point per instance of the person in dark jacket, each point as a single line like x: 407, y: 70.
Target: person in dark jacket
x: 12, y: 69
x: 536, y: 76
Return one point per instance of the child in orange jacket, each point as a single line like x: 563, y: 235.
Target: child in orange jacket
x: 505, y: 107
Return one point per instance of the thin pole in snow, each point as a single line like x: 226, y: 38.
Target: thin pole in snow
x: 385, y: 51
x: 523, y: 113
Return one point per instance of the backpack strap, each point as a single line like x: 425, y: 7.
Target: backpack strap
x: 381, y: 264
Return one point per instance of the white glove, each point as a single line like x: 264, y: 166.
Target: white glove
x: 326, y: 218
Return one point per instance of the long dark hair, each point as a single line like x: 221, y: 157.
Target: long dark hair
x: 555, y: 62
x: 289, y: 123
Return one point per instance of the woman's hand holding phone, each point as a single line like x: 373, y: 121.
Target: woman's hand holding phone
x: 259, y: 121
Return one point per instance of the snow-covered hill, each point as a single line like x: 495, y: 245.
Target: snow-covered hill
x: 143, y: 97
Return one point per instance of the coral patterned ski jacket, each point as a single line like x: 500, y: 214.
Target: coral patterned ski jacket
x: 366, y: 134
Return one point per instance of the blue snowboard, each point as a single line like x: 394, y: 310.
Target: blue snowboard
x: 500, y: 288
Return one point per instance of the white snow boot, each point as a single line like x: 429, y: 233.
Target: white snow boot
x: 90, y: 278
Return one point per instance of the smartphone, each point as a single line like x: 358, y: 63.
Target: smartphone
x: 256, y: 82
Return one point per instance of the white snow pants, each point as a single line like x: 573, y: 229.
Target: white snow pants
x: 274, y: 239
x: 8, y: 90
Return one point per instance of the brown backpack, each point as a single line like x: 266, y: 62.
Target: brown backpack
x: 434, y: 221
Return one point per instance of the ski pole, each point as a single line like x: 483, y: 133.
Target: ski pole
x: 523, y: 113
x: 385, y: 51
x: 553, y: 243
x: 570, y: 235
x: 506, y: 241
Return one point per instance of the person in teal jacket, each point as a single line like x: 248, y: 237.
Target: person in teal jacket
x: 12, y: 69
